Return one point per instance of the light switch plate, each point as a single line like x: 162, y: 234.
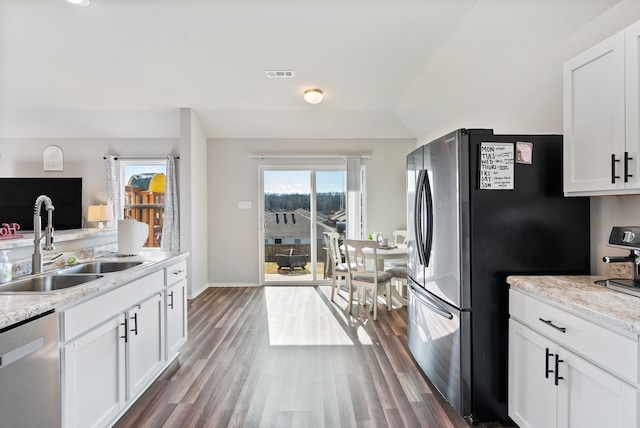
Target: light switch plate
x: 244, y: 205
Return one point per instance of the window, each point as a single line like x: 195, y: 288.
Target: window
x: 299, y: 205
x: 144, y: 187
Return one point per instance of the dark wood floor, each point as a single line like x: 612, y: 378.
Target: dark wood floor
x: 289, y: 357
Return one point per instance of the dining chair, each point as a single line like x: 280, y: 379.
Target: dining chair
x: 366, y: 279
x: 399, y: 278
x: 399, y: 236
x: 339, y: 270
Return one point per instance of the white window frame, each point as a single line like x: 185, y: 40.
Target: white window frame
x: 123, y: 181
x: 302, y: 167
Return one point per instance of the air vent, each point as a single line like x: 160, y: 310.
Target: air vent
x: 280, y: 73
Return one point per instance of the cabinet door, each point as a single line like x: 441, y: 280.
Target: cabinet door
x: 590, y: 397
x: 93, y: 375
x: 176, y: 326
x: 594, y: 118
x: 632, y: 68
x: 532, y: 392
x: 146, y: 343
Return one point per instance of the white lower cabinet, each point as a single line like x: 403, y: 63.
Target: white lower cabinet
x: 551, y: 386
x: 114, y: 345
x: 533, y: 396
x: 145, y: 343
x: 94, y: 376
x: 589, y: 396
x: 176, y: 304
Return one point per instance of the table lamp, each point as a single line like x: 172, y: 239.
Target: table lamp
x: 100, y: 213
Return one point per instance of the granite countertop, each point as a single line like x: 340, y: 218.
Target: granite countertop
x: 580, y: 293
x: 19, y: 307
x: 59, y: 236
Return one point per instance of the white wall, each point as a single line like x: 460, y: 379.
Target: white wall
x: 531, y: 102
x: 82, y: 158
x: 193, y: 202
x: 234, y: 176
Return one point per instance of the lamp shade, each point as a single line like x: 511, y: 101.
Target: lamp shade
x: 100, y: 213
x: 313, y: 96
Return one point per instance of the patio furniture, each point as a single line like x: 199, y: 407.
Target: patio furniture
x: 294, y: 258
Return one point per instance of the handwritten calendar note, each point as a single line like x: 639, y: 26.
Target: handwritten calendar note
x: 496, y: 166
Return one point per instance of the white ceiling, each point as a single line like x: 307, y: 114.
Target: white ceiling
x: 388, y: 68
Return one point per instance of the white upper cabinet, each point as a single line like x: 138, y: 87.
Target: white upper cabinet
x: 601, y: 118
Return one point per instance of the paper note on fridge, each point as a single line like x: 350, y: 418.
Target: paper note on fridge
x: 496, y: 166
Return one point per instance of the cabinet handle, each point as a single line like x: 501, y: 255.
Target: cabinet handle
x: 178, y: 272
x: 135, y: 323
x: 627, y: 158
x: 613, y: 168
x: 126, y: 330
x: 549, y: 323
x: 546, y: 364
x: 171, y: 304
x: 558, y: 361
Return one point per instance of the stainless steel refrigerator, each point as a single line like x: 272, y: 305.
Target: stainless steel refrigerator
x: 481, y: 207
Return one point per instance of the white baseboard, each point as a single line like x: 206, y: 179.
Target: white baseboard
x: 210, y: 285
x: 233, y: 285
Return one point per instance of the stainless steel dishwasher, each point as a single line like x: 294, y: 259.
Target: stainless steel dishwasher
x: 30, y: 374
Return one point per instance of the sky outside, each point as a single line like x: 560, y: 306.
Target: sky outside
x: 300, y: 181
x: 131, y: 169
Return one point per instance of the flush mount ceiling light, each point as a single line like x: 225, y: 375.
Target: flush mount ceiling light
x: 313, y: 96
x: 81, y: 3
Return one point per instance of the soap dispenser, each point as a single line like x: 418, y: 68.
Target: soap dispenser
x: 5, y: 268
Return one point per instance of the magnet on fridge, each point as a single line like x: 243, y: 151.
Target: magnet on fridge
x: 524, y: 152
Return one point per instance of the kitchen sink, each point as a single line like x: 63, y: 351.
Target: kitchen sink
x: 46, y: 283
x: 98, y: 267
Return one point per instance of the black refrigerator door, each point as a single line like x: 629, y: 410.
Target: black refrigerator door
x: 439, y: 341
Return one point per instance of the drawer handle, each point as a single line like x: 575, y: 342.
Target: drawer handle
x: 178, y: 272
x: 549, y: 323
x: 558, y: 361
x: 546, y: 364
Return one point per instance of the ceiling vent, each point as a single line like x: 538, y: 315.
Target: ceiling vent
x: 280, y: 73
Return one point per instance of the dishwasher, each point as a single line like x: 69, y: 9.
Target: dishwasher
x: 30, y: 374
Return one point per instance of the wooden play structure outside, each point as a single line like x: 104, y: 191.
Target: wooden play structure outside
x: 146, y: 206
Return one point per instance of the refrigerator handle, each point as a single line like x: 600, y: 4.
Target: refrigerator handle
x: 432, y: 305
x: 417, y: 216
x: 429, y: 232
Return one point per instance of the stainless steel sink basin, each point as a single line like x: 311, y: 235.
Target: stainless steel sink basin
x: 99, y: 267
x: 46, y: 283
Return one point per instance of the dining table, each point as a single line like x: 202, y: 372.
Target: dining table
x: 390, y: 252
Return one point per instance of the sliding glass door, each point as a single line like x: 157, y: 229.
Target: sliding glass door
x: 299, y: 206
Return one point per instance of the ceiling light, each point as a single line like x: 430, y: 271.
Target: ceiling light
x: 313, y: 96
x: 81, y: 3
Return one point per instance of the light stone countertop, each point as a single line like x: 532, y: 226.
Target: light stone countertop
x: 579, y: 293
x: 59, y: 236
x: 16, y: 308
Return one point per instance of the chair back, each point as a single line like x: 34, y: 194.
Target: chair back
x: 356, y: 256
x: 399, y: 236
x: 331, y: 241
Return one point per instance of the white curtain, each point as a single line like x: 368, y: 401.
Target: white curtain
x: 114, y: 188
x: 171, y: 219
x: 354, y: 188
